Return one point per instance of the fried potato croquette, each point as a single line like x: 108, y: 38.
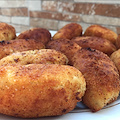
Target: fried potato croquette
x: 100, y: 31
x: 7, y: 32
x: 40, y: 34
x: 10, y: 46
x: 115, y: 57
x: 65, y: 46
x: 101, y: 76
x: 43, y: 56
x: 69, y: 31
x: 97, y: 43
x: 37, y: 90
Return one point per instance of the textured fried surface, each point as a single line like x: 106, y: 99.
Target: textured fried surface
x: 100, y: 31
x: 66, y: 46
x: 69, y: 31
x: 115, y: 57
x: 37, y: 90
x: 101, y: 75
x: 18, y: 45
x: 7, y: 32
x: 43, y: 56
x: 39, y: 34
x: 97, y: 43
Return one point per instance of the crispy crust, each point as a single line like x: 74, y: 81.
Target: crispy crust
x: 38, y: 90
x: 66, y: 46
x: 100, y: 31
x: 115, y: 57
x: 7, y: 32
x: 101, y: 75
x: 97, y: 43
x: 10, y: 46
x: 43, y: 56
x: 40, y: 34
x: 69, y: 31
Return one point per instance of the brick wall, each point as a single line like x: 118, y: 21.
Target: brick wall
x: 53, y: 14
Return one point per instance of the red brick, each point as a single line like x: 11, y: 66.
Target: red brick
x: 65, y: 6
x: 83, y: 8
x: 14, y: 11
x: 71, y: 17
x: 55, y: 16
x: 49, y: 5
x: 111, y: 10
x: 57, y: 6
x: 38, y: 14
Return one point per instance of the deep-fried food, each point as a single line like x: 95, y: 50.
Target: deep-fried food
x: 100, y: 31
x: 37, y: 90
x: 39, y: 34
x: 69, y: 31
x: 101, y: 75
x: 66, y: 46
x: 43, y: 56
x: 97, y: 43
x: 115, y: 57
x: 7, y: 32
x: 11, y: 46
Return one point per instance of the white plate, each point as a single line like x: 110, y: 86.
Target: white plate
x: 109, y: 112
